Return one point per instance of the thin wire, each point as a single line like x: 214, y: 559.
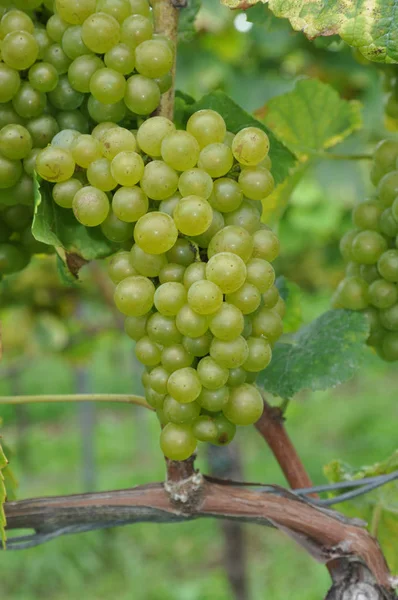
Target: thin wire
x: 343, y: 484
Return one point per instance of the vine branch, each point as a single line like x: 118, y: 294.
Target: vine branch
x: 122, y: 398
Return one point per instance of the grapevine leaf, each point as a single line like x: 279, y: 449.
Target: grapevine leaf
x: 275, y: 204
x: 58, y: 227
x: 3, y: 497
x: 320, y: 355
x: 370, y: 27
x: 378, y: 508
x: 312, y: 117
x: 291, y: 294
x: 187, y: 18
x: 243, y: 4
x: 236, y: 119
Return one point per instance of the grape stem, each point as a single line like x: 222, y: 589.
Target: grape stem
x: 122, y: 398
x: 165, y: 14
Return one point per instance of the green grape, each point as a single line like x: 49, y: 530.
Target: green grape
x: 19, y: 193
x: 136, y: 29
x: 204, y: 429
x: 260, y: 273
x: 225, y: 430
x: 100, y: 32
x: 227, y: 323
x: 170, y: 298
x: 250, y: 146
x: 236, y: 377
x: 229, y: 354
x: 235, y: 240
x: 64, y: 96
x: 353, y: 268
x: 5, y: 232
x: 81, y: 71
x: 159, y: 180
x: 229, y: 138
x: 245, y: 405
x: 385, y: 155
x: 170, y: 203
x: 366, y: 215
x: 280, y: 307
x: 217, y: 224
x: 182, y: 253
x: 55, y: 56
x: 120, y: 58
x: 213, y: 400
x: 153, y: 58
x: 227, y: 195
x: 391, y: 105
x: 130, y: 204
x: 86, y: 150
x: 142, y: 95
x: 156, y: 401
x: 165, y: 82
x: 270, y: 297
x: 116, y: 230
x: 107, y: 86
x: 176, y: 357
x: 155, y: 233
x: 266, y: 245
x: 388, y: 265
x: 15, y: 20
x: 127, y: 168
x: 100, y: 176
x: 212, y: 375
x: 100, y: 130
x: 135, y: 327
x: 368, y: 246
x: 72, y: 43
x: 64, y: 192
x: 175, y: 412
x: 149, y: 265
x: 120, y: 267
x: 266, y: 162
x: 90, y: 206
x: 268, y: 324
x: 148, y: 352
x: 198, y: 346
x: 115, y: 140
x: 140, y: 7
x: 390, y: 347
x: 43, y: 77
x: 352, y: 293
x: 180, y: 150
x: 75, y: 11
x: 216, y: 159
x: 207, y: 126
x: 190, y: 323
x: 15, y: 142
x: 388, y: 189
x: 72, y: 119
x: 8, y: 115
x: 134, y: 296
x: 193, y: 215
x: 13, y: 258
x: 17, y: 217
x: 56, y: 28
x: 205, y: 297
x: 43, y: 41
x: 260, y: 355
x: 119, y: 9
x: 346, y: 245
x: 55, y: 164
x: 65, y: 139
x: 100, y: 112
x: 389, y: 318
x: 158, y: 379
x: 184, y: 385
x: 227, y: 270
x: 248, y: 327
x: 382, y: 293
x: 177, y: 442
x: 247, y: 298
x: 195, y: 182
x: 245, y: 216
x: 368, y: 272
x: 376, y: 173
x: 29, y: 103
x: 256, y: 182
x: 19, y: 50
x: 9, y: 83
x: 10, y: 172
x: 151, y: 134
x: 387, y: 224
x: 194, y: 272
x: 172, y: 272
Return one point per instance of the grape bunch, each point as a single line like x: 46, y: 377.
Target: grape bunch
x: 371, y: 253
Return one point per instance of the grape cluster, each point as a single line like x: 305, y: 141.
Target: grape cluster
x: 371, y: 253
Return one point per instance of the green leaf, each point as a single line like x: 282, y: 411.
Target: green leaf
x: 291, y: 294
x: 370, y: 27
x: 3, y: 497
x: 321, y: 355
x: 236, y: 119
x: 58, y: 227
x: 312, y: 117
x: 378, y: 508
x: 187, y: 18
x: 243, y: 4
x: 275, y: 204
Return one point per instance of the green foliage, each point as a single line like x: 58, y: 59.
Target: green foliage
x: 323, y: 354
x: 378, y: 508
x: 312, y: 117
x: 291, y: 294
x: 186, y: 22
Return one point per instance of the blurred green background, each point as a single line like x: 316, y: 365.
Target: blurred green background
x: 68, y: 339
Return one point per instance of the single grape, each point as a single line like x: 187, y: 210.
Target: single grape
x: 28, y: 102
x: 390, y: 346
x: 184, y: 385
x: 266, y: 245
x: 231, y: 239
x: 388, y: 189
x: 55, y: 56
x: 217, y: 224
x: 190, y: 323
x: 205, y: 297
x: 382, y: 293
x: 366, y: 215
x: 227, y: 323
x: 107, y: 86
x: 43, y: 41
x: 198, y: 346
x: 260, y: 273
x: 43, y: 77
x: 100, y: 32
x: 56, y: 27
x: 207, y: 126
x: 193, y: 215
x: 129, y: 204
x: 119, y: 9
x: 204, y: 429
x: 245, y: 405
x: 175, y: 412
x: 388, y: 265
x: 172, y: 272
x: 134, y: 296
x: 227, y: 195
x: 127, y: 168
x: 256, y: 182
x: 163, y: 330
x: 213, y: 400
x: 346, y: 245
x: 385, y: 155
x: 101, y: 112
x: 156, y: 401
x: 142, y: 95
x: 55, y: 164
x: 135, y: 327
x: 15, y: 20
x: 267, y: 324
x: 194, y: 272
x: 149, y: 265
x: 260, y: 355
x: 81, y: 71
x: 270, y: 297
x: 119, y: 266
x: 368, y: 246
x: 236, y: 377
x: 19, y: 50
x: 9, y: 83
x: 90, y: 206
x: 151, y: 134
x: 216, y: 159
x: 389, y: 317
x: 229, y: 354
x: 246, y: 216
x: 183, y: 252
x: 115, y: 140
x: 136, y: 29
x: 75, y: 11
x: 10, y: 172
x: 99, y: 175
x: 352, y: 293
x: 170, y: 298
x: 195, y: 182
x: 155, y: 233
x: 177, y: 441
x: 13, y: 258
x: 64, y: 192
x: 250, y: 146
x: 225, y: 430
x: 15, y: 142
x: 247, y: 298
x: 153, y: 58
x: 140, y: 7
x: 158, y: 379
x: 227, y: 270
x: 120, y: 58
x: 64, y: 96
x: 388, y: 225
x: 72, y: 43
x: 176, y: 357
x: 159, y: 181
x: 17, y: 217
x: 180, y: 150
x: 116, y: 230
x: 147, y: 352
x: 165, y: 83
x: 212, y: 375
